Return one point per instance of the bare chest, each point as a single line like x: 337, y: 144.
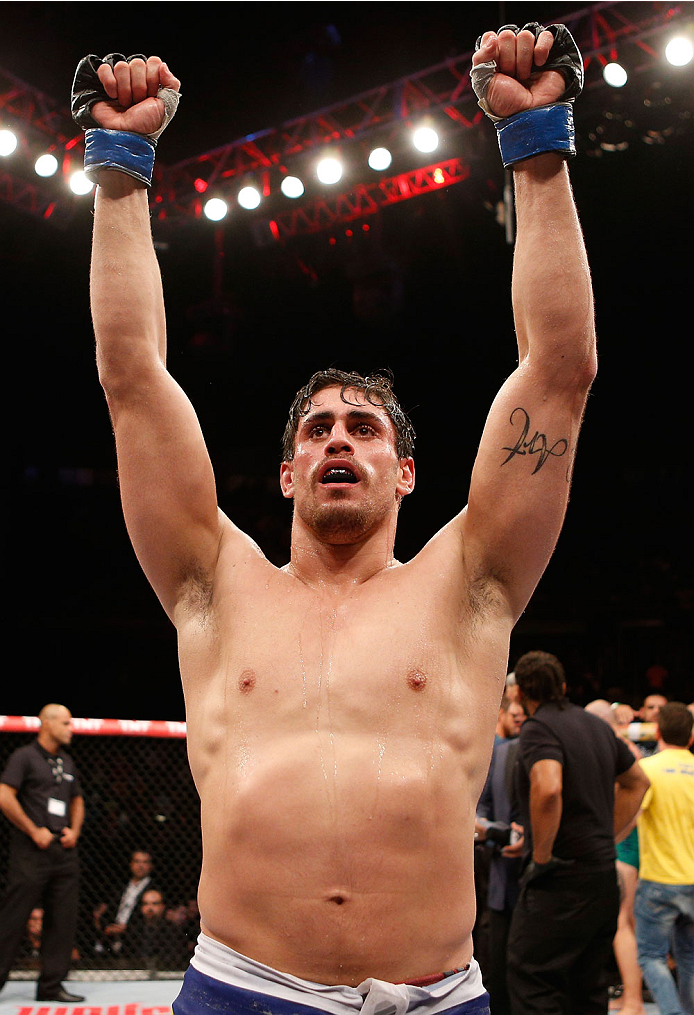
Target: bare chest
x: 391, y: 653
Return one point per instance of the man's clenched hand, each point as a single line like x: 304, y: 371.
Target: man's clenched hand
x: 515, y: 86
x: 132, y: 89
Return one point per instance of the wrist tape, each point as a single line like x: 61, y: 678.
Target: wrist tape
x: 535, y: 131
x: 120, y: 150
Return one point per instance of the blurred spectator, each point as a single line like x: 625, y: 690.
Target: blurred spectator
x: 29, y: 952
x: 566, y: 914
x: 652, y: 704
x: 112, y: 919
x: 156, y: 942
x: 187, y: 917
x: 192, y: 925
x: 656, y: 675
x: 624, y: 943
x: 664, y: 905
x: 496, y: 824
x: 511, y: 689
x: 511, y: 716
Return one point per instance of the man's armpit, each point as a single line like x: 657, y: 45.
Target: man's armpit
x: 538, y: 444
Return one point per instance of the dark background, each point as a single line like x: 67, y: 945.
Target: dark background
x: 426, y: 292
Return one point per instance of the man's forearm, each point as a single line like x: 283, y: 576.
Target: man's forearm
x: 15, y: 813
x: 126, y: 292
x: 76, y: 815
x: 552, y: 293
x: 627, y: 801
x: 545, y: 817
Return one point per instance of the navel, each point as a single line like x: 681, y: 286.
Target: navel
x: 417, y: 680
x: 337, y: 898
x: 247, y: 681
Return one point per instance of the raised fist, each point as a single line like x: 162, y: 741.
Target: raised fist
x: 132, y: 89
x: 515, y: 86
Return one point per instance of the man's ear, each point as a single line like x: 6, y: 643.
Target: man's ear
x: 287, y: 480
x: 406, y: 478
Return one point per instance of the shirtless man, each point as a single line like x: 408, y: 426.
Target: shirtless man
x: 341, y: 709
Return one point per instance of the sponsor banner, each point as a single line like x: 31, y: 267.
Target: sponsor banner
x: 100, y: 727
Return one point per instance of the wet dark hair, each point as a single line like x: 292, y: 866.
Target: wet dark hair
x: 377, y: 389
x: 540, y: 677
x: 675, y: 723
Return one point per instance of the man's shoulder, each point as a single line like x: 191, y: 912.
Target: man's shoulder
x: 26, y: 750
x: 20, y: 757
x: 667, y: 761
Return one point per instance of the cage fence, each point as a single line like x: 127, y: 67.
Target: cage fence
x: 142, y: 820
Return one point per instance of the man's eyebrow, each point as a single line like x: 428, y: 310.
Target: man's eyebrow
x: 353, y: 414
x: 316, y: 417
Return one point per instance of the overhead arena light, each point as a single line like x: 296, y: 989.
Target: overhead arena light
x: 615, y: 75
x: 380, y: 158
x: 248, y: 198
x: 679, y: 51
x: 79, y: 184
x: 8, y: 142
x: 215, y: 209
x: 46, y: 165
x: 291, y: 186
x: 329, y: 170
x: 425, y: 139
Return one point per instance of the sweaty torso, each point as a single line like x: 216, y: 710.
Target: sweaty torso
x: 339, y: 743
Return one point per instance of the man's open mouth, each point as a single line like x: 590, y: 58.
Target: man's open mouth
x: 339, y: 474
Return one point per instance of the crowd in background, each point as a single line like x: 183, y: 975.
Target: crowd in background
x: 501, y: 864
x: 134, y: 927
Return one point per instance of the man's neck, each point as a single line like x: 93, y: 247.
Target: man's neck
x: 339, y: 566
x: 48, y: 742
x: 662, y: 746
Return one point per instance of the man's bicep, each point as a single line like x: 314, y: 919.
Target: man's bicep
x: 167, y: 485
x: 520, y: 481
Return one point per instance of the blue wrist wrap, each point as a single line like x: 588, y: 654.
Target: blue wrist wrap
x: 118, y: 149
x: 534, y: 131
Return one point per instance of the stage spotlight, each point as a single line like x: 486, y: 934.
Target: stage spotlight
x: 215, y: 209
x: 329, y: 170
x: 425, y: 139
x: 80, y: 184
x: 291, y: 186
x: 8, y: 142
x: 46, y: 165
x: 248, y: 198
x: 615, y: 75
x: 679, y: 51
x: 380, y: 158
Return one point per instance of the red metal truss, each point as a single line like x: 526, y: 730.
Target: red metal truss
x: 26, y: 196
x: 601, y: 29
x: 366, y: 199
x: 26, y: 103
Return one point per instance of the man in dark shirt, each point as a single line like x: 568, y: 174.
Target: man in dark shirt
x: 157, y: 943
x: 566, y: 916
x: 40, y: 795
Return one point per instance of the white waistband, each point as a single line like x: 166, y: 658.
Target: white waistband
x: 372, y: 997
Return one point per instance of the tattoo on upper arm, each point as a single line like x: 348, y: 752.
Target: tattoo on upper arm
x: 537, y: 445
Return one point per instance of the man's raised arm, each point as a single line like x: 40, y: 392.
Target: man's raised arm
x: 166, y: 479
x: 520, y: 482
